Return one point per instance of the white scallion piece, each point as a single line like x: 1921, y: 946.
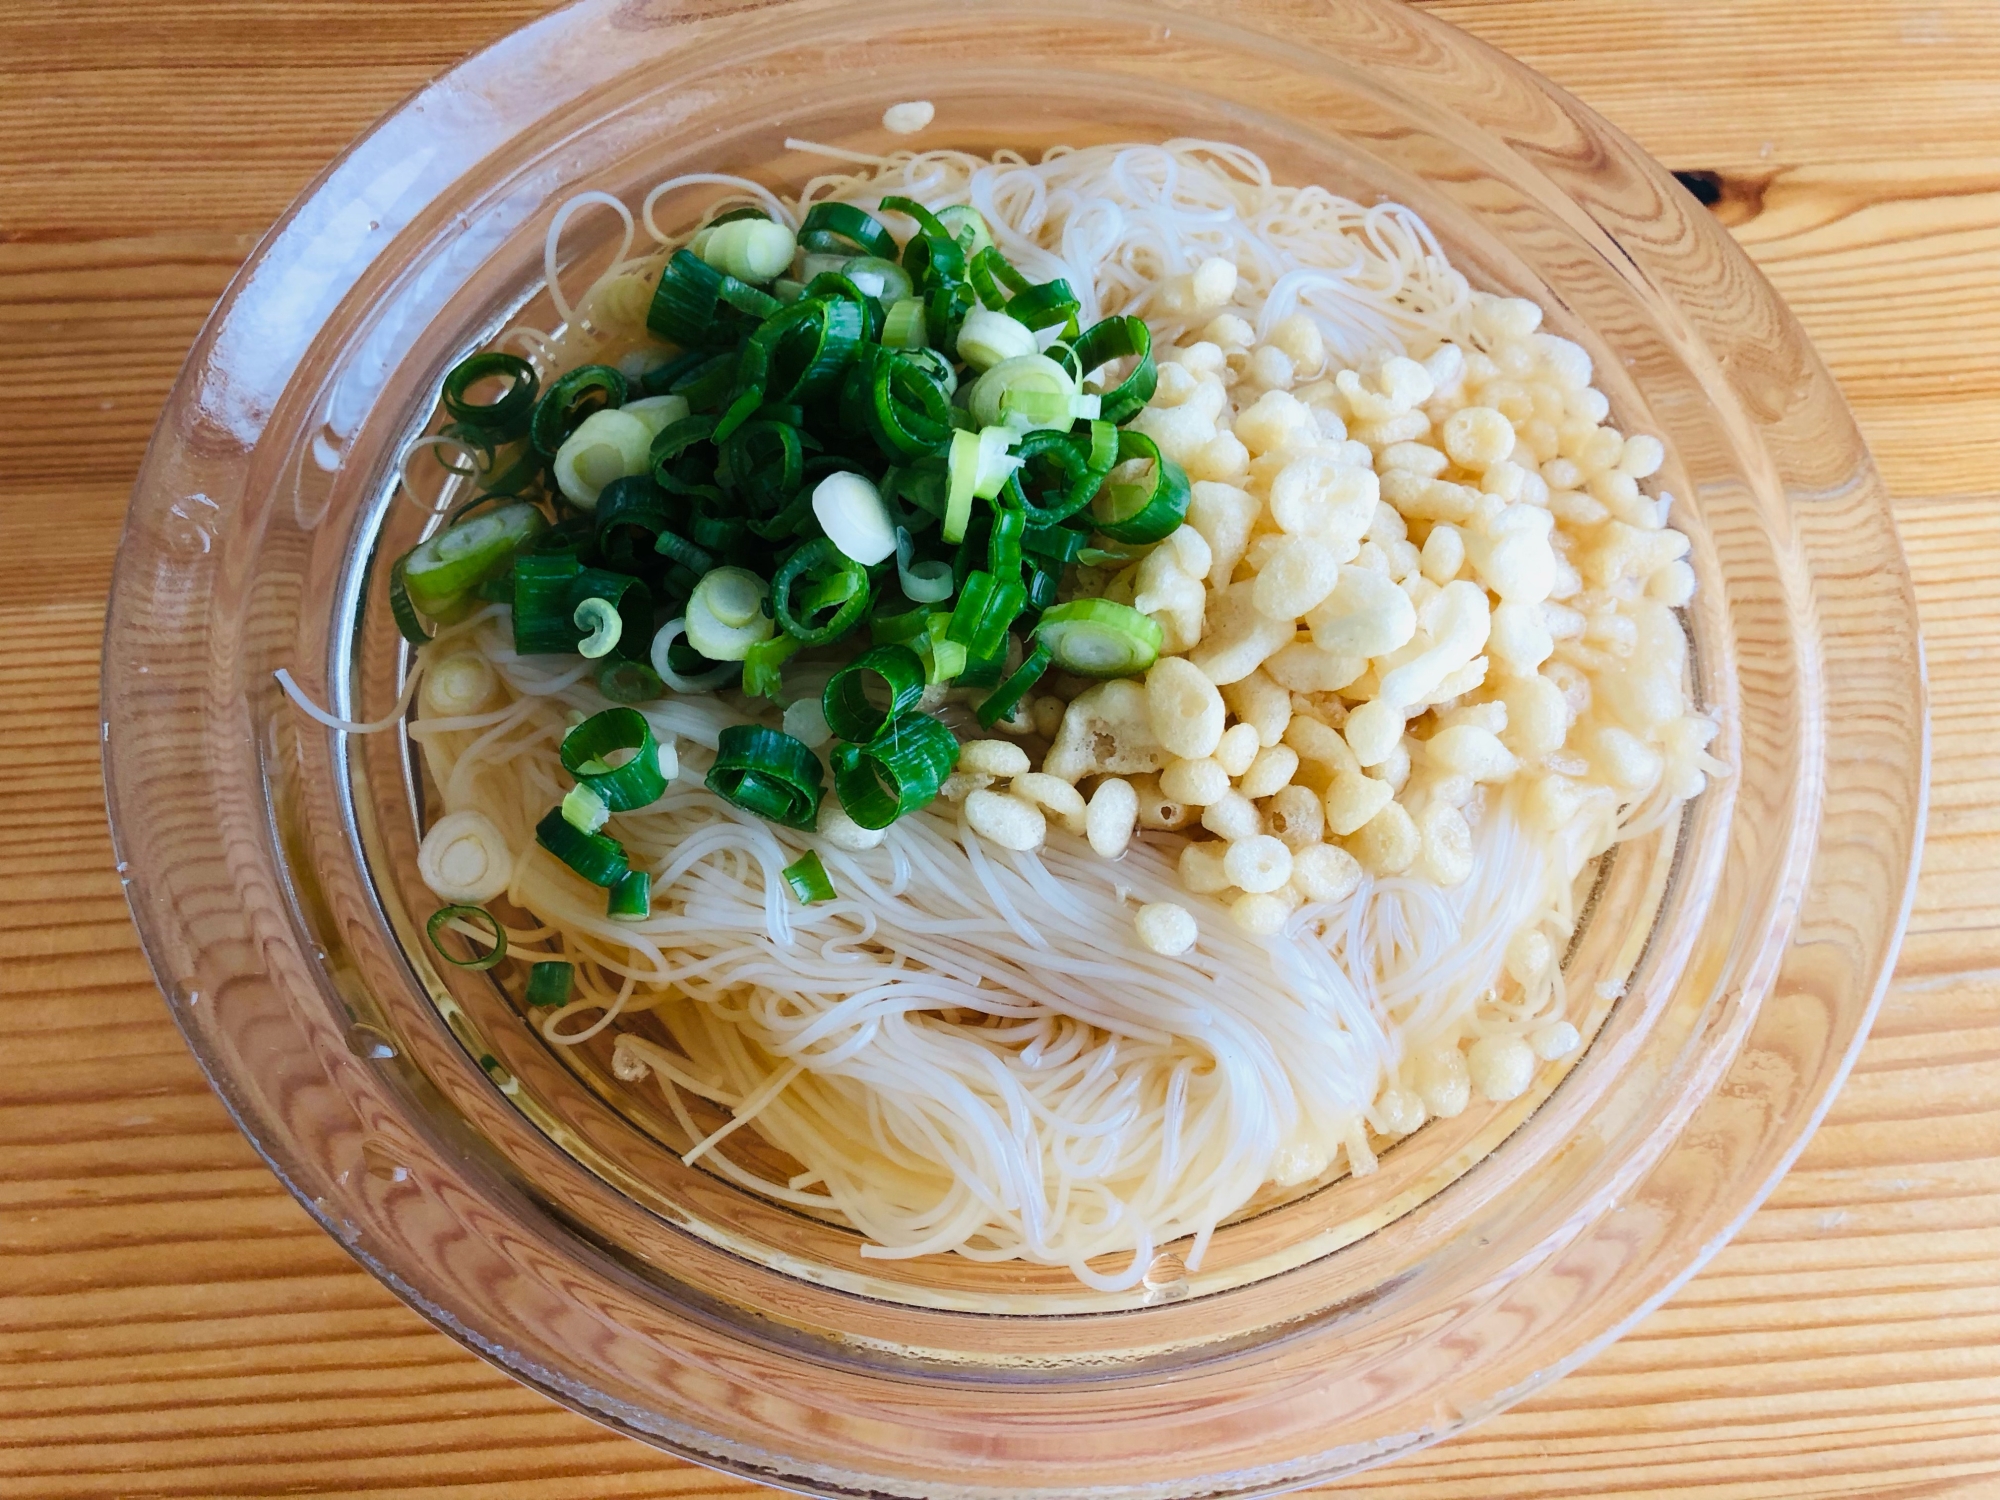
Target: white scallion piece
x: 850, y: 510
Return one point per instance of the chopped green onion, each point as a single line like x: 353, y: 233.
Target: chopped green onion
x: 962, y: 469
x: 801, y: 350
x: 947, y: 657
x: 409, y: 624
x: 544, y: 618
x: 898, y: 399
x: 685, y: 301
x: 986, y: 607
x: 1007, y: 697
x: 567, y: 403
x: 850, y: 511
x: 748, y: 249
x: 849, y: 711
x: 583, y: 809
x: 880, y: 278
x: 986, y: 338
x: 447, y: 914
x: 631, y: 899
x: 598, y: 859
x: 993, y: 279
x: 440, y: 572
x: 1143, y: 513
x: 808, y: 879
x: 658, y: 412
x: 606, y: 446
x: 1061, y: 544
x: 625, y: 681
x: 630, y: 515
x: 894, y: 630
x: 1049, y: 305
x: 725, y: 614
x: 897, y: 772
x: 599, y: 618
x: 684, y: 552
x: 1075, y: 465
x: 903, y: 325
x: 843, y: 222
x: 504, y: 417
x: 549, y: 983
x: 1100, y: 638
x: 1003, y: 545
x: 1044, y: 584
x: 586, y: 752
x: 819, y: 562
x: 996, y: 463
x: 548, y: 588
x: 763, y: 666
x: 931, y: 255
x: 926, y: 582
x: 1120, y: 338
x: 968, y: 227
x: 767, y: 773
x: 1032, y: 389
x: 937, y: 367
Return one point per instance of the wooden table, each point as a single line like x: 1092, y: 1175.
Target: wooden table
x: 172, y: 1324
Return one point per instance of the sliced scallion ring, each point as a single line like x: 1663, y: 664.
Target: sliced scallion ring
x: 808, y: 879
x: 1052, y: 304
x: 666, y: 640
x: 750, y: 249
x: 850, y: 511
x: 549, y: 983
x: 850, y: 712
x: 843, y: 222
x: 962, y: 475
x: 1007, y: 697
x: 567, y: 402
x: 1032, y: 389
x: 1120, y: 338
x: 440, y: 572
x: 924, y: 582
x: 598, y: 859
x: 1100, y: 638
x: 896, y: 772
x: 587, y: 749
x: 503, y: 418
x: 763, y: 666
x: 817, y: 564
x: 625, y: 681
x: 607, y: 446
x: 444, y: 916
x: 1145, y: 511
x: 986, y: 338
x: 766, y: 772
x: 904, y: 325
x: 600, y: 620
x: 409, y: 624
x: 986, y: 607
x: 966, y: 225
x: 584, y: 810
x: 723, y: 596
x: 631, y: 899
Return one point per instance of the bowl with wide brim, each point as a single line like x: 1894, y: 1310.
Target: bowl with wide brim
x: 534, y: 1208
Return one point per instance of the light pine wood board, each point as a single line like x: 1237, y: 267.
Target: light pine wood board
x: 171, y: 1324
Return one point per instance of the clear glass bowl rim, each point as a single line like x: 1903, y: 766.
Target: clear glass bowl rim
x: 187, y: 471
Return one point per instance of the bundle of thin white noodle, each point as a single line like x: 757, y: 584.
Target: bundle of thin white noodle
x: 1115, y: 221
x: 967, y: 1050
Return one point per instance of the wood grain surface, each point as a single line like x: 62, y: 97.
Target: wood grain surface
x: 172, y: 1325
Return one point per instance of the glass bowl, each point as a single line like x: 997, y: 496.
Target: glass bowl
x: 534, y: 1208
